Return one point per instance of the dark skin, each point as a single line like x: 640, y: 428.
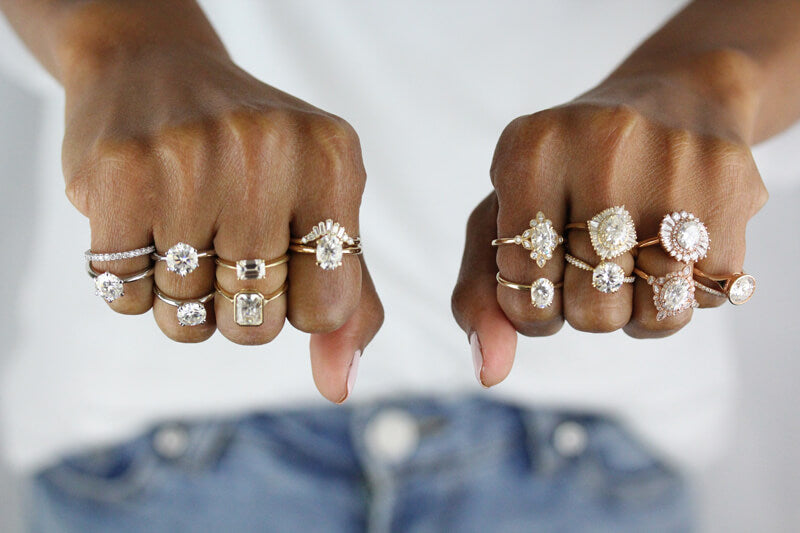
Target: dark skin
x: 170, y: 136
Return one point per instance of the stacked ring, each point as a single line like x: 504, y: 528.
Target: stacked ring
x: 116, y: 256
x: 541, y: 290
x: 683, y: 236
x: 611, y: 231
x: 110, y: 286
x: 607, y: 277
x: 251, y: 268
x: 738, y: 287
x: 190, y: 312
x: 182, y: 259
x: 672, y: 294
x: 332, y: 241
x: 541, y: 239
x: 248, y: 304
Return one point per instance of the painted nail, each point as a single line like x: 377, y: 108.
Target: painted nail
x: 477, y: 356
x: 352, y: 373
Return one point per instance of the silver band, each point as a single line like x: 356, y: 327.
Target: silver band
x: 205, y: 253
x: 177, y: 303
x: 136, y: 276
x: 116, y: 256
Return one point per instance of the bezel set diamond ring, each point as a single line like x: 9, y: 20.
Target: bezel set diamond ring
x: 540, y: 239
x: 248, y: 304
x: 331, y: 242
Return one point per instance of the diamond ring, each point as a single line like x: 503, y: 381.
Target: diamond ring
x: 607, y: 277
x: 611, y: 231
x: 672, y: 294
x: 190, y: 312
x: 251, y: 268
x: 683, y: 236
x: 182, y: 258
x: 116, y: 256
x: 542, y: 290
x: 738, y: 287
x: 110, y: 286
x: 248, y: 304
x: 331, y: 243
x: 541, y: 239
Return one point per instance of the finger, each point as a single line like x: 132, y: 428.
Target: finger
x: 335, y: 356
x: 196, y: 233
x: 585, y: 307
x: 492, y: 336
x: 263, y: 237
x: 119, y: 234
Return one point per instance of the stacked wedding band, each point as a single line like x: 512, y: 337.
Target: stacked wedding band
x: 331, y: 242
x: 248, y: 304
x: 540, y: 240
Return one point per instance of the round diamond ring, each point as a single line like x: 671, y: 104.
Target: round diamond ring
x: 331, y: 243
x: 683, y: 236
x: 111, y: 287
x: 182, y: 259
x: 607, y: 277
x: 189, y: 312
x: 738, y: 287
x: 540, y: 239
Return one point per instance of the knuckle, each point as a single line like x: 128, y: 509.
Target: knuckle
x: 333, y: 147
x: 526, y: 154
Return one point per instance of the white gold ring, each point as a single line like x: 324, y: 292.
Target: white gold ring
x: 182, y: 259
x: 116, y: 256
x: 190, y: 312
x: 109, y: 286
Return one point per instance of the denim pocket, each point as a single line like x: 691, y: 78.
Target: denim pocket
x: 110, y: 474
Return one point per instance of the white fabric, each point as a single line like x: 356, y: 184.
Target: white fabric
x: 429, y: 86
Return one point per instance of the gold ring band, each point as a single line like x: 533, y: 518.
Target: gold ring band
x: 607, y: 276
x: 540, y: 239
x: 267, y: 264
x: 304, y: 249
x: 248, y: 304
x: 542, y: 290
x: 520, y: 286
x: 231, y: 297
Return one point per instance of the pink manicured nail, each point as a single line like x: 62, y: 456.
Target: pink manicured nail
x: 477, y: 356
x: 353, y: 372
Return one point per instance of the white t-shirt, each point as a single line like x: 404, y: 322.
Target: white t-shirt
x: 429, y: 86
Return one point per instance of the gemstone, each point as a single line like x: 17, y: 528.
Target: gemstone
x: 251, y: 269
x: 684, y: 237
x: 612, y: 232
x: 673, y: 293
x: 248, y: 308
x: 329, y: 252
x: 608, y: 277
x: 108, y: 286
x: 191, y: 314
x: 742, y: 289
x: 181, y: 259
x: 542, y: 291
x: 541, y: 239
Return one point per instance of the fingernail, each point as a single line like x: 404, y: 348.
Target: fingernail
x: 352, y: 374
x: 477, y: 356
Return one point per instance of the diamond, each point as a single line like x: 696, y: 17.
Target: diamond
x: 673, y: 293
x: 181, y: 259
x: 542, y: 292
x: 608, y: 277
x: 541, y: 239
x: 108, y: 286
x: 742, y: 289
x: 248, y: 308
x: 329, y: 252
x: 684, y: 237
x: 251, y: 269
x: 612, y: 232
x: 191, y: 314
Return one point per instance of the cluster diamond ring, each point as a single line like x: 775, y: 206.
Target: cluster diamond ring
x: 738, y: 287
x: 251, y: 268
x: 331, y: 242
x: 182, y: 259
x: 672, y: 294
x: 683, y: 236
x: 190, y: 312
x: 540, y: 239
x: 248, y: 304
x: 116, y: 256
x: 542, y: 290
x: 611, y: 231
x: 111, y: 287
x: 607, y: 277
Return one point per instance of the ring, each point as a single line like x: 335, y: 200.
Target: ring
x: 182, y: 258
x: 331, y: 243
x: 251, y: 268
x: 248, y: 304
x: 607, y: 277
x: 541, y: 239
x: 110, y: 286
x: 709, y: 290
x: 683, y: 236
x: 672, y: 294
x: 116, y: 256
x: 611, y: 231
x: 542, y: 290
x: 738, y: 287
x: 190, y: 312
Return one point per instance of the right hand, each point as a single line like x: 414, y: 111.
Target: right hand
x: 172, y: 142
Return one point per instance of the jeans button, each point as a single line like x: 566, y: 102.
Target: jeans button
x: 171, y: 441
x: 391, y: 435
x: 570, y: 439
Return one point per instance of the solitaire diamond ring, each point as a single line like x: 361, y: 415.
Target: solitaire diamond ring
x: 331, y: 242
x: 541, y: 239
x: 248, y: 304
x: 541, y: 290
x: 683, y: 236
x: 110, y: 286
x: 190, y: 312
x: 251, y: 268
x: 607, y: 277
x: 116, y: 256
x: 182, y: 258
x: 611, y: 231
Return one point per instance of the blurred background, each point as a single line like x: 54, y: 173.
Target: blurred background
x: 755, y: 486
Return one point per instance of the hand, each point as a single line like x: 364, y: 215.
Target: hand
x: 617, y: 145
x: 174, y: 143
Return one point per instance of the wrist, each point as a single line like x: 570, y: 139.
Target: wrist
x: 714, y: 92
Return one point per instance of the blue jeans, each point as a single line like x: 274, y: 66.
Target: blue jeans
x: 467, y: 465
